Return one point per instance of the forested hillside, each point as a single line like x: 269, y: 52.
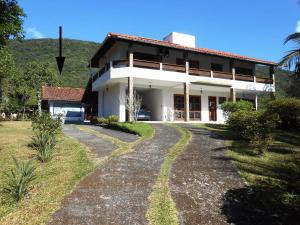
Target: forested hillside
x: 77, y: 53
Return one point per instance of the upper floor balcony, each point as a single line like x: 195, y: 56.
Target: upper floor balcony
x: 154, y: 69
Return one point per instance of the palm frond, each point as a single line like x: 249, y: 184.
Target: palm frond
x: 293, y: 37
x: 291, y: 59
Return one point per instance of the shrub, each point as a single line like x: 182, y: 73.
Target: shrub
x: 254, y: 126
x: 94, y: 120
x: 19, y: 179
x: 288, y: 110
x: 44, y: 143
x: 46, y: 129
x: 112, y: 119
x: 45, y: 123
x: 231, y: 107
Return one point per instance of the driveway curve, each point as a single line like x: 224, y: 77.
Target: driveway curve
x: 117, y: 193
x: 200, y: 177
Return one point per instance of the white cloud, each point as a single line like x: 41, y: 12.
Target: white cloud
x: 32, y: 32
x: 298, y: 26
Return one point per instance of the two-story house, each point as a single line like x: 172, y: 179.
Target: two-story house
x: 176, y: 79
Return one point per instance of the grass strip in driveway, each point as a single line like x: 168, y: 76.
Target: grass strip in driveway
x: 162, y: 209
x: 145, y: 130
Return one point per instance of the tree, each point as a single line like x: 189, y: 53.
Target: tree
x: 29, y: 83
x: 292, y: 59
x: 7, y: 70
x: 11, y: 21
x: 136, y: 104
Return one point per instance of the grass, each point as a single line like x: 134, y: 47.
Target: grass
x: 273, y: 177
x: 145, y: 130
x: 162, y: 208
x: 55, y: 179
x: 142, y: 129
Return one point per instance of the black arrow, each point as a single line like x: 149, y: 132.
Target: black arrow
x: 60, y: 60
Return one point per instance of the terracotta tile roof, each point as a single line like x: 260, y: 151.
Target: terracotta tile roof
x: 200, y: 50
x: 62, y: 93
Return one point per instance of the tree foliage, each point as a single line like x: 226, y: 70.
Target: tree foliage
x: 28, y: 83
x: 7, y: 71
x: 11, y: 21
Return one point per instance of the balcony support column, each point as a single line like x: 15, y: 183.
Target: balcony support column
x: 186, y: 101
x: 256, y: 102
x: 130, y: 99
x: 272, y: 76
x: 232, y: 66
x: 232, y: 95
x: 187, y: 67
x: 130, y: 59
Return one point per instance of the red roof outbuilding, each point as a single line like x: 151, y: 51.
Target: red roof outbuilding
x: 62, y: 93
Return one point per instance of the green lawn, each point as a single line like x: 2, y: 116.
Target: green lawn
x: 54, y: 180
x: 273, y: 179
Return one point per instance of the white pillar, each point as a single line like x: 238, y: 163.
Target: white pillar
x: 186, y: 101
x: 256, y: 102
x: 130, y: 59
x: 232, y: 95
x: 187, y: 67
x: 130, y: 96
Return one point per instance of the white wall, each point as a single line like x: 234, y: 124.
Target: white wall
x: 152, y: 99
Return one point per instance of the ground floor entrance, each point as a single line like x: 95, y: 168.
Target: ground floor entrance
x: 194, y: 106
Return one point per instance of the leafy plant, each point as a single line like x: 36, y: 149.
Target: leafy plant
x: 44, y: 143
x: 19, y: 179
x: 254, y: 126
x: 231, y: 107
x: 112, y: 119
x: 288, y: 110
x: 46, y: 129
x: 45, y: 123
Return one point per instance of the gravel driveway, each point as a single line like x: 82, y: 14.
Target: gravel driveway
x: 200, y: 177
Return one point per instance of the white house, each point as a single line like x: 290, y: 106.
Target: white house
x: 176, y: 79
x: 65, y: 101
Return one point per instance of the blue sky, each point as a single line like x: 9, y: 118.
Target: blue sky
x: 250, y: 27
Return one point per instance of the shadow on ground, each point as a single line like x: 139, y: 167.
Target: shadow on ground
x: 273, y: 194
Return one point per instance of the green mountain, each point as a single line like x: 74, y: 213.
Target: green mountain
x: 75, y: 72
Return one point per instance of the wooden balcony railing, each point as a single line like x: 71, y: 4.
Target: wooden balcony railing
x: 223, y: 75
x: 182, y: 69
x: 243, y: 77
x: 199, y: 72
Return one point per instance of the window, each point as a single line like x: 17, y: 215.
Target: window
x: 195, y: 103
x: 178, y: 102
x: 241, y: 70
x: 180, y: 61
x: 216, y: 67
x: 145, y: 56
x: 222, y: 100
x: 194, y: 64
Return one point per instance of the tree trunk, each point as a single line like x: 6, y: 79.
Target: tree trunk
x: 39, y: 104
x: 23, y: 114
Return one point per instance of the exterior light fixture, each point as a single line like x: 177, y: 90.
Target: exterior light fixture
x: 201, y: 90
x: 150, y: 86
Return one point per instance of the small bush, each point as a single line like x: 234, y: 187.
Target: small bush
x: 19, y: 179
x: 112, y: 119
x: 254, y: 126
x: 46, y: 129
x: 44, y: 143
x: 231, y: 107
x: 96, y: 120
x: 45, y: 123
x: 288, y: 110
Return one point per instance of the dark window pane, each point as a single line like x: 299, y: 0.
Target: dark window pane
x: 216, y: 67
